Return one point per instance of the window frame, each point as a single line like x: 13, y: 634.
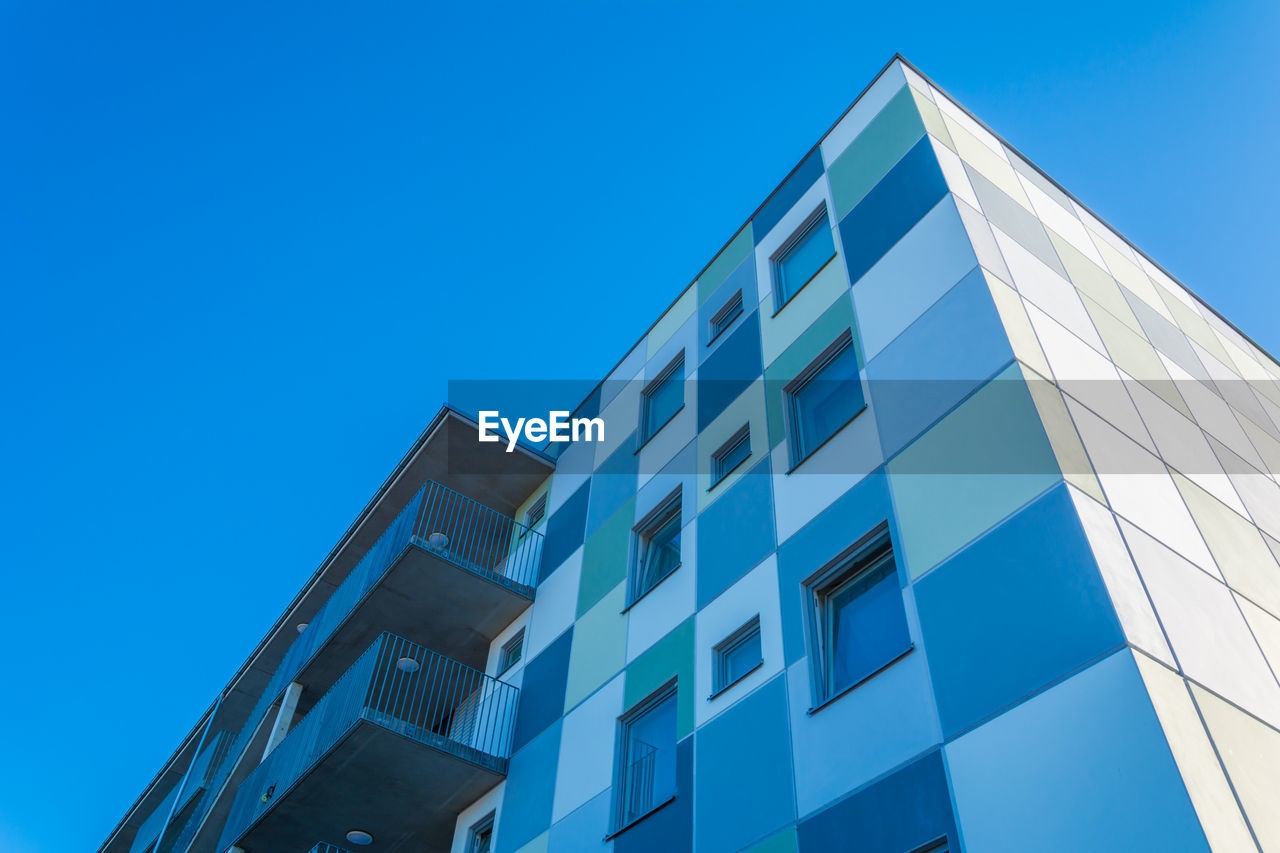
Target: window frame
x: 505, y: 661
x: 646, y: 398
x: 780, y: 255
x: 725, y: 316
x: 539, y: 504
x: 483, y: 825
x: 733, y: 442
x: 622, y: 758
x: 720, y: 656
x: 654, y: 521
x: 792, y: 420
x: 853, y: 562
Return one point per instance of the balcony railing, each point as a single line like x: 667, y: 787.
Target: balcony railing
x: 449, y: 525
x: 453, y: 527
x: 399, y: 686
x: 204, y: 767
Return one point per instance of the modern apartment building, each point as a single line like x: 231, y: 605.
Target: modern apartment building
x: 933, y: 515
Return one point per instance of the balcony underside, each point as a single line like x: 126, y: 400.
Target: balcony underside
x: 405, y: 793
x: 426, y: 599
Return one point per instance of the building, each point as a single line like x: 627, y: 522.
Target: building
x: 932, y: 516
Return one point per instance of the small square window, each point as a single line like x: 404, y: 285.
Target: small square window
x: 859, y: 621
x: 736, y: 655
x: 657, y: 547
x: 822, y: 399
x: 724, y: 318
x: 646, y: 774
x: 536, y: 511
x: 509, y: 654
x: 731, y: 454
x: 801, y: 258
x: 480, y: 836
x: 663, y: 397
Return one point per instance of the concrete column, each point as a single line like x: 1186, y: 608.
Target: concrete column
x: 284, y: 717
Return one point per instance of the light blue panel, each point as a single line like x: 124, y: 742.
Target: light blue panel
x: 977, y: 465
x: 618, y: 378
x: 913, y: 275
x: 735, y: 533
x: 1019, y: 608
x: 613, y: 484
x: 743, y: 278
x: 684, y: 338
x: 584, y: 829
x: 681, y: 472
x: 1083, y: 766
x: 530, y: 773
x: 892, y: 714
x: 848, y: 519
x: 956, y: 346
x: 743, y: 781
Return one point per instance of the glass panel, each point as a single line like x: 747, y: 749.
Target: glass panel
x: 867, y: 625
x: 650, y: 761
x: 661, y: 554
x: 804, y: 260
x: 726, y: 315
x: 827, y: 401
x: 663, y: 400
x: 742, y: 657
x: 732, y: 455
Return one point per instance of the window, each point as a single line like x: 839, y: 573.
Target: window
x: 535, y: 512
x: 736, y: 655
x: 724, y: 318
x: 480, y: 837
x: 509, y: 654
x: 859, y: 620
x: 663, y: 397
x: 731, y: 454
x: 657, y: 550
x: 823, y: 398
x: 801, y: 257
x: 646, y: 776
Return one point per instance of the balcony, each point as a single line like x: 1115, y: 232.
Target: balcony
x: 448, y: 572
x: 404, y: 740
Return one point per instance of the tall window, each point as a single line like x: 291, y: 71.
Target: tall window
x: 646, y: 776
x: 801, y: 257
x: 480, y: 837
x: 663, y: 397
x: 860, y: 622
x: 657, y: 547
x: 823, y: 398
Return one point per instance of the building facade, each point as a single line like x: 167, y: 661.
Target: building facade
x: 932, y: 516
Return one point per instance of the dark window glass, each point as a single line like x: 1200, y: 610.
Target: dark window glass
x: 724, y: 318
x: 732, y: 453
x: 737, y: 655
x: 802, y: 257
x: 824, y: 398
x: 662, y: 399
x: 647, y: 769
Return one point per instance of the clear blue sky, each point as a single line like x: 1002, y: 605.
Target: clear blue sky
x: 243, y: 247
